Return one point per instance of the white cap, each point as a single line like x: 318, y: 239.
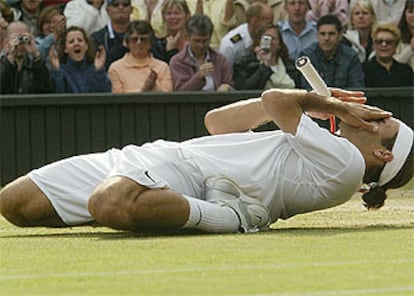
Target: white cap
x: 400, y: 150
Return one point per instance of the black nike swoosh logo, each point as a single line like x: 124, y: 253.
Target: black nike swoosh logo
x: 149, y: 177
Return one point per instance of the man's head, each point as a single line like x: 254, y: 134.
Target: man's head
x: 199, y: 29
x: 388, y: 154
x: 257, y: 15
x: 18, y: 36
x: 31, y: 6
x: 329, y: 34
x: 296, y: 11
x: 386, y: 38
x: 119, y: 11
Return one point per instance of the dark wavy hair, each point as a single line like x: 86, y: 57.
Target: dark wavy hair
x: 61, y: 44
x: 283, y: 51
x: 406, y: 34
x: 375, y: 197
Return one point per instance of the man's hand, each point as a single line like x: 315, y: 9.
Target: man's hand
x: 359, y: 115
x: 343, y: 95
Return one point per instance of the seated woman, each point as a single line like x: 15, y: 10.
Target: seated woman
x: 405, y: 50
x: 267, y: 65
x: 363, y: 19
x: 175, y: 13
x: 383, y: 70
x: 138, y: 70
x: 75, y: 66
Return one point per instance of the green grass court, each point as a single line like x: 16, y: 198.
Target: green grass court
x: 340, y: 251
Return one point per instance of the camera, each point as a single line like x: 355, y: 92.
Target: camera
x: 265, y: 43
x: 24, y: 39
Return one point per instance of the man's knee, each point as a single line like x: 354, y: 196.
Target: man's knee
x: 13, y: 202
x: 24, y: 204
x: 110, y: 202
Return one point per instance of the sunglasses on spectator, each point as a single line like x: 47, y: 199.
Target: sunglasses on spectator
x: 385, y: 41
x: 123, y: 3
x: 139, y: 39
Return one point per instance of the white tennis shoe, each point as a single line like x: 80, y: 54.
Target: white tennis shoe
x: 253, y: 215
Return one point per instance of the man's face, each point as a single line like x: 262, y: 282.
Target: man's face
x: 199, y: 43
x: 385, y: 45
x: 296, y: 10
x: 15, y: 31
x: 31, y: 5
x: 387, y: 128
x: 328, y: 38
x: 119, y: 11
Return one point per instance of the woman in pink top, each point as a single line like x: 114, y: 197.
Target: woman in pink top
x: 339, y: 8
x: 138, y: 70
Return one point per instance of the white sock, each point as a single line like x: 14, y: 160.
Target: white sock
x: 211, y: 217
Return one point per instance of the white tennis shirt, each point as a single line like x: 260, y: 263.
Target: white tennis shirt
x: 291, y: 174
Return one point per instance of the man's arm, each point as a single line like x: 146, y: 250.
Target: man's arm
x: 285, y: 107
x: 236, y: 117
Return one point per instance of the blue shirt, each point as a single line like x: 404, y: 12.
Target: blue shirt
x: 80, y: 77
x: 343, y: 70
x: 296, y: 43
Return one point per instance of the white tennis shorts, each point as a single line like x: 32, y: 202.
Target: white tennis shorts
x: 68, y: 183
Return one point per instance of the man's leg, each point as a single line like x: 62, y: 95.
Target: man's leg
x: 122, y: 203
x: 24, y: 204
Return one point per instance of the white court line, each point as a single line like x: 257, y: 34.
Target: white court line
x: 374, y: 291
x: 200, y: 269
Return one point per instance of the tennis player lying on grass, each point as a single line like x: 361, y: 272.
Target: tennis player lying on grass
x: 231, y: 181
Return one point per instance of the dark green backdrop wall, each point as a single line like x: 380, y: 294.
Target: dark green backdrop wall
x: 38, y: 129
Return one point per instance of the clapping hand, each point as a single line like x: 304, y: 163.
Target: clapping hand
x: 150, y: 82
x: 205, y: 69
x: 172, y: 41
x: 54, y: 58
x: 100, y: 58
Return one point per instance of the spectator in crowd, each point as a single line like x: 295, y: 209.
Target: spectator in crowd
x: 22, y: 70
x: 337, y: 63
x: 111, y: 37
x: 198, y: 66
x: 56, y: 26
x: 387, y: 11
x: 235, y: 11
x: 60, y: 3
x: 297, y: 33
x: 268, y: 64
x: 237, y: 42
x: 46, y: 22
x: 405, y: 50
x: 151, y: 11
x: 338, y: 8
x: 175, y: 14
x: 384, y: 70
x: 359, y: 37
x: 215, y: 10
x: 28, y: 11
x: 138, y: 70
x: 90, y: 15
x: 6, y: 17
x: 76, y: 68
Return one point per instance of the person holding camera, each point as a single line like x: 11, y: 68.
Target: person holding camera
x: 267, y: 65
x: 22, y: 69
